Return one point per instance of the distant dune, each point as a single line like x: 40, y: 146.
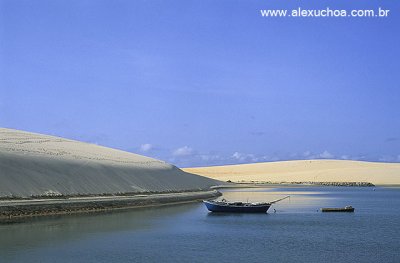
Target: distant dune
x: 40, y: 165
x: 305, y: 171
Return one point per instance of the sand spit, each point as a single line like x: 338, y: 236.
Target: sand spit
x: 36, y: 165
x: 305, y: 171
x: 11, y: 210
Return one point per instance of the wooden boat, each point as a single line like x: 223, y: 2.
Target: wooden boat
x: 238, y: 207
x: 348, y: 208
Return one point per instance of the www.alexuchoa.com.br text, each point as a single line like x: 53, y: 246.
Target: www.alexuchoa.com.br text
x: 327, y: 12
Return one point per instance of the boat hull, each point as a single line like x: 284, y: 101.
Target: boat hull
x: 347, y: 210
x: 225, y: 208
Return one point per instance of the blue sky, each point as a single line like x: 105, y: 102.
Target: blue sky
x: 204, y: 82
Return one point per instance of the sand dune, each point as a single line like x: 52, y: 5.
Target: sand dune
x: 39, y: 165
x: 306, y: 171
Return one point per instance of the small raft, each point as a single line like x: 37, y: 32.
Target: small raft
x: 348, y: 208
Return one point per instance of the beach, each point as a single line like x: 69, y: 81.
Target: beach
x: 305, y: 171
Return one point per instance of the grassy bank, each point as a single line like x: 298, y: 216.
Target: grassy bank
x: 14, y: 209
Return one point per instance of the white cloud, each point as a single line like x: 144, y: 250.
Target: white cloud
x: 326, y: 155
x: 345, y: 157
x: 187, y: 157
x: 146, y: 147
x: 237, y: 156
x: 310, y: 155
x: 242, y: 157
x: 389, y: 158
x: 211, y: 157
x: 183, y: 151
x: 249, y: 157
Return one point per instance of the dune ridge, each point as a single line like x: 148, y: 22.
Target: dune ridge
x: 33, y: 165
x: 305, y: 171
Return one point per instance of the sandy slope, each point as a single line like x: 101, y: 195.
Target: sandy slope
x: 306, y: 170
x: 36, y: 164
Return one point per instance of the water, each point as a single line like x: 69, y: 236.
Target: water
x: 296, y: 232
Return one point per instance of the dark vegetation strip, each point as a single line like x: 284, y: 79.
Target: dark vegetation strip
x: 62, y: 196
x: 10, y: 212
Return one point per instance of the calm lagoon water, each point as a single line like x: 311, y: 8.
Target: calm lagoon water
x: 296, y: 232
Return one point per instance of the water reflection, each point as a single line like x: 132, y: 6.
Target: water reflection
x: 36, y: 232
x: 192, y: 234
x: 240, y: 215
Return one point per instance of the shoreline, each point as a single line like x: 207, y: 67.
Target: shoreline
x: 297, y: 184
x: 243, y: 183
x: 11, y: 210
x: 347, y: 184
